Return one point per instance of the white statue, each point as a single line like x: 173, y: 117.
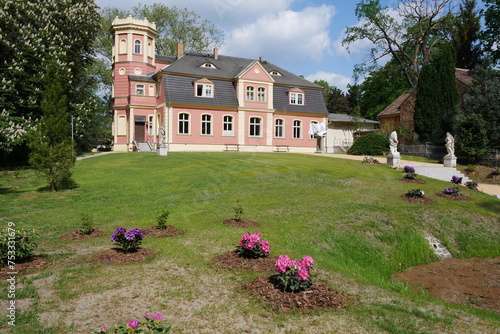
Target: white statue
x: 450, y: 144
x: 393, y: 142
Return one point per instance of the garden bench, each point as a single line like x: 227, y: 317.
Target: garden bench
x: 282, y: 148
x: 232, y: 147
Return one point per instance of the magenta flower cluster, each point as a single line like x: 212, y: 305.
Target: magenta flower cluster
x: 456, y: 179
x: 151, y: 324
x: 300, y: 268
x: 409, y: 169
x: 128, y: 241
x: 251, y: 246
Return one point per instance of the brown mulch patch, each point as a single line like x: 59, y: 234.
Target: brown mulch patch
x: 423, y: 200
x: 240, y: 223
x: 231, y: 260
x: 460, y: 197
x: 460, y: 281
x: 33, y: 264
x: 419, y: 181
x: 75, y: 235
x: 169, y: 231
x: 115, y: 255
x: 319, y: 296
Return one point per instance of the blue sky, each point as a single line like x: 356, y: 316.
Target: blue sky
x: 302, y: 36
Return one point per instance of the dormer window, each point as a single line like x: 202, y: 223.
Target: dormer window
x: 296, y: 96
x: 208, y: 65
x: 274, y: 72
x: 204, y: 88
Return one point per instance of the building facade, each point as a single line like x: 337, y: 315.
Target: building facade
x: 206, y: 102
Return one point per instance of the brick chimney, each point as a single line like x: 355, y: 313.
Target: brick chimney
x: 216, y: 53
x: 261, y: 59
x: 180, y: 50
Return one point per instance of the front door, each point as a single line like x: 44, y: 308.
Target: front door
x: 140, y: 132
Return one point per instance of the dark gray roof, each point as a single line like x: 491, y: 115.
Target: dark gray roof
x: 287, y: 78
x: 313, y: 101
x: 145, y: 78
x: 180, y: 89
x: 349, y: 118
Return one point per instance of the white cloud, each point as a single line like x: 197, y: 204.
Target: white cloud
x: 333, y: 79
x: 285, y: 36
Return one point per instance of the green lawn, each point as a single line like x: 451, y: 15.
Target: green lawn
x: 348, y: 216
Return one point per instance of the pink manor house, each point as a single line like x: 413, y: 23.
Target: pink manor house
x: 207, y: 102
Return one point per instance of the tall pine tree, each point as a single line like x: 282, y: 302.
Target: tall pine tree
x: 52, y: 155
x: 465, y: 36
x: 436, y: 105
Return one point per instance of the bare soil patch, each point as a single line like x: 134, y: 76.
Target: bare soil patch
x: 231, y: 260
x: 460, y: 281
x: 459, y: 197
x: 319, y: 296
x: 115, y: 255
x: 168, y: 231
x: 76, y: 235
x: 240, y: 223
x: 423, y: 200
x: 33, y: 264
x: 419, y: 181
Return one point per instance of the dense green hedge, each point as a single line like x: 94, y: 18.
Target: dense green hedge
x: 370, y: 144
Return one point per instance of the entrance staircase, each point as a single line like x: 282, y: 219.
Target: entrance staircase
x: 145, y: 147
x: 438, y: 171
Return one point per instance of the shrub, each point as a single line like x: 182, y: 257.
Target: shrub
x: 238, y: 211
x: 87, y: 225
x: 471, y: 185
x: 454, y: 191
x: 415, y: 193
x: 410, y: 176
x: 16, y: 246
x: 456, y: 179
x: 370, y: 144
x: 150, y: 325
x: 127, y: 241
x: 251, y: 247
x: 495, y: 171
x: 409, y: 169
x: 293, y: 275
x: 161, y: 221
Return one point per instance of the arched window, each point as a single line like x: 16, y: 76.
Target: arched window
x: 255, y: 124
x: 278, y: 129
x: 206, y: 124
x: 228, y: 126
x: 137, y: 46
x: 183, y: 124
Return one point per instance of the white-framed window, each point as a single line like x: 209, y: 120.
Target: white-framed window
x: 204, y: 90
x: 150, y: 125
x: 227, y: 126
x: 208, y: 65
x: 297, y: 98
x: 250, y: 93
x: 261, y: 94
x: 137, y: 46
x: 255, y: 127
x: 139, y: 90
x: 278, y: 128
x: 183, y: 124
x: 275, y: 73
x: 297, y: 129
x: 206, y: 124
x: 312, y: 136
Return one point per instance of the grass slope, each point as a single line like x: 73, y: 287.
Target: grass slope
x: 348, y: 216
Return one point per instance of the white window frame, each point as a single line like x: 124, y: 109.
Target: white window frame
x: 227, y: 126
x: 151, y: 125
x: 139, y: 89
x: 184, y: 124
x: 279, y: 128
x: 255, y: 127
x: 206, y: 125
x: 297, y: 98
x: 250, y: 95
x: 297, y: 129
x: 261, y: 94
x: 207, y: 90
x: 138, y: 47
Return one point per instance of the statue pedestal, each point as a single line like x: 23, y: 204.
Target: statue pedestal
x: 394, y: 159
x: 450, y: 160
x: 162, y: 150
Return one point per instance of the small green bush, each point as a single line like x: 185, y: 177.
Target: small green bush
x: 87, y: 226
x: 370, y: 144
x: 161, y: 220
